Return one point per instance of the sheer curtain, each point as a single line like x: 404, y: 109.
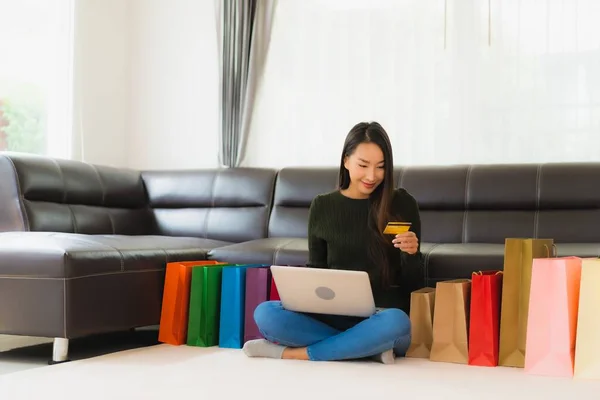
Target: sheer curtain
x: 244, y: 29
x: 453, y: 81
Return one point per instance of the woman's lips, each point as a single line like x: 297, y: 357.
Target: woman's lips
x: 368, y: 185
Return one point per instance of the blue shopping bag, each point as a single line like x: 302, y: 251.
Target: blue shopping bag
x: 233, y: 295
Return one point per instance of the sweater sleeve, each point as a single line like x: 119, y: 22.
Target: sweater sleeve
x: 413, y: 269
x: 317, y: 247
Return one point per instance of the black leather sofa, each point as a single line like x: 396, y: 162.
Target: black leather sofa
x: 83, y: 248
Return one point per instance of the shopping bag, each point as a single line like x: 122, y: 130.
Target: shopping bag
x: 516, y: 284
x: 274, y: 294
x: 258, y: 282
x: 484, y: 324
x: 205, y: 298
x: 422, y: 303
x: 552, y: 321
x: 233, y: 300
x: 451, y: 322
x: 175, y: 304
x: 587, y: 345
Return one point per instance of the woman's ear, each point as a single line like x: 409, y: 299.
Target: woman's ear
x: 346, y: 159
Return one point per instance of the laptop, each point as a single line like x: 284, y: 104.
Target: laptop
x: 324, y: 291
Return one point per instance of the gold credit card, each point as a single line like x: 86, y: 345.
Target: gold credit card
x: 395, y: 228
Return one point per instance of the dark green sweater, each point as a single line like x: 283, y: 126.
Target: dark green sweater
x: 338, y: 237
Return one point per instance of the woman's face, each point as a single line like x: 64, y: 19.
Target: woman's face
x: 367, y: 169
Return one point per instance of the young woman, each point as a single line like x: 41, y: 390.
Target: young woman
x: 345, y: 231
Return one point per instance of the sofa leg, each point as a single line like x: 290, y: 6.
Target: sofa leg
x: 60, y: 351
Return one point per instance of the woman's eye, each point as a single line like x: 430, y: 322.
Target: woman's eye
x: 362, y: 166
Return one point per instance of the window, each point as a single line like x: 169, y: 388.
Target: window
x: 452, y: 82
x: 36, y: 41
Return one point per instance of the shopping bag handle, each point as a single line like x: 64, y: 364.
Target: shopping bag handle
x: 481, y: 273
x: 554, y: 250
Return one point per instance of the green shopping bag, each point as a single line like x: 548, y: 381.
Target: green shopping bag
x: 205, y: 305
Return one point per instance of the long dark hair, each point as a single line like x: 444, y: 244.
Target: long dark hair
x: 381, y: 199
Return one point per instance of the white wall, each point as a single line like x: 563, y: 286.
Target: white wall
x: 174, y: 85
x: 102, y: 76
x: 146, y: 83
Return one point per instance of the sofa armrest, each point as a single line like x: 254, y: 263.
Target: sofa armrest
x: 12, y: 212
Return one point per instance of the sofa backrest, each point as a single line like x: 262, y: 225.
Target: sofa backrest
x: 458, y: 204
x: 231, y: 205
x: 295, y: 189
x: 488, y: 203
x: 44, y: 194
x: 468, y: 203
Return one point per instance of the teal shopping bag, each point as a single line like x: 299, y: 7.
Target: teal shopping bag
x: 233, y: 297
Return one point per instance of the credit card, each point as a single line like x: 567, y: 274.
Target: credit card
x: 395, y: 228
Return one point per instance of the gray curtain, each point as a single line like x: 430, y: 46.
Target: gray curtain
x: 244, y: 31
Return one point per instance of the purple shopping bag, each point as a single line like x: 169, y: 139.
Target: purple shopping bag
x: 258, y: 282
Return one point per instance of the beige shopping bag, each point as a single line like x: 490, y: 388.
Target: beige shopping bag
x: 422, y: 303
x: 451, y: 322
x: 516, y: 285
x: 587, y: 345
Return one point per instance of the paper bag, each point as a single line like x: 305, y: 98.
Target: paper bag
x: 175, y: 304
x: 258, y: 284
x: 484, y: 324
x: 552, y: 322
x: 422, y: 304
x: 233, y: 300
x: 587, y: 348
x: 205, y: 298
x: 451, y: 322
x: 516, y: 283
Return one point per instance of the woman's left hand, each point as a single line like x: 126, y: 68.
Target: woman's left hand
x: 407, y: 242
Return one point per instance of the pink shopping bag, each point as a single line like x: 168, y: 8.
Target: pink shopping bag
x: 553, y: 309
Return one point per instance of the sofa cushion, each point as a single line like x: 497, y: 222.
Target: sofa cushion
x: 153, y: 252
x: 270, y: 251
x: 274, y: 251
x: 60, y: 255
x: 460, y: 260
x: 585, y: 250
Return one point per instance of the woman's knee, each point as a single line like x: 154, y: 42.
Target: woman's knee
x: 396, y: 321
x: 265, y: 315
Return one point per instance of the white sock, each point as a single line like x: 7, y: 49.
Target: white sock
x: 263, y: 348
x: 387, y: 357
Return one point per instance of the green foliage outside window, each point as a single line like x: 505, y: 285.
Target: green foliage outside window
x: 22, y: 117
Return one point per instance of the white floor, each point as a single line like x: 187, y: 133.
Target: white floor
x: 169, y: 372
x: 11, y: 362
x: 19, y: 353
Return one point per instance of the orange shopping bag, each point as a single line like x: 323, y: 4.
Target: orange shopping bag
x: 552, y: 323
x: 175, y: 305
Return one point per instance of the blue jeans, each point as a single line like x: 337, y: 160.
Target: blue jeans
x: 382, y: 331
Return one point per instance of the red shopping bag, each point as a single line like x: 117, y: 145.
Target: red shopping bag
x: 274, y: 295
x: 484, y: 329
